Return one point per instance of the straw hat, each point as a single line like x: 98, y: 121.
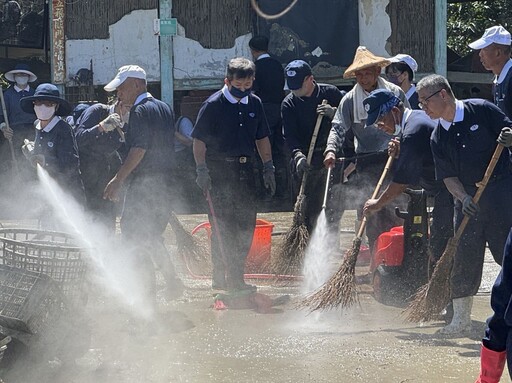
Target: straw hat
x: 364, y: 59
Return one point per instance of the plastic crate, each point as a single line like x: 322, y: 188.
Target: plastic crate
x: 259, y: 254
x: 29, y: 301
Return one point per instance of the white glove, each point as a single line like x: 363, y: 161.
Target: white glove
x: 27, y: 149
x: 112, y: 122
x: 8, y: 132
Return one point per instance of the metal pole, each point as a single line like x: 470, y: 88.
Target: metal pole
x: 166, y: 57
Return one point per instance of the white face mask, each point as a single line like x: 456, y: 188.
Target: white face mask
x: 43, y: 112
x: 125, y: 117
x: 21, y: 80
x: 398, y: 127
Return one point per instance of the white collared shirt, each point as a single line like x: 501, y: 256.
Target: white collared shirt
x: 231, y: 99
x: 141, y: 97
x: 410, y: 92
x: 503, y: 73
x: 18, y: 89
x: 50, y: 126
x: 459, y: 115
x: 263, y: 56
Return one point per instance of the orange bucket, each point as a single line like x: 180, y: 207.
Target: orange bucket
x: 259, y: 254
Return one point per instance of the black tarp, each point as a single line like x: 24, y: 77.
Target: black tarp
x: 23, y: 23
x: 330, y: 25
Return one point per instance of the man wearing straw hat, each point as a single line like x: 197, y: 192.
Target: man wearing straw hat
x: 463, y: 143
x: 371, y: 144
x: 20, y: 124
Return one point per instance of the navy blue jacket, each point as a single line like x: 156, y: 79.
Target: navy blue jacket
x: 15, y: 115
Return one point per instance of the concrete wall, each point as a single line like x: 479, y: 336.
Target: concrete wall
x: 374, y: 26
x: 132, y: 41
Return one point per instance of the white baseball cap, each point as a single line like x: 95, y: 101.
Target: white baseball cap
x: 496, y: 34
x: 123, y: 73
x: 401, y: 58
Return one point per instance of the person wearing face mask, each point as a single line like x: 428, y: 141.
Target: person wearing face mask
x: 54, y: 147
x: 370, y: 143
x: 300, y: 110
x: 21, y: 124
x: 229, y: 124
x: 99, y: 136
x: 401, y: 72
x: 413, y: 166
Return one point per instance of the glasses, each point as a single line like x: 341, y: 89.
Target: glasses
x: 425, y: 101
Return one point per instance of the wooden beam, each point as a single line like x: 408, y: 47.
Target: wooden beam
x: 166, y: 57
x: 441, y: 11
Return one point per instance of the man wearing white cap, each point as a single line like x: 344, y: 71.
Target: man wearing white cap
x: 401, y: 72
x: 494, y: 54
x: 147, y: 170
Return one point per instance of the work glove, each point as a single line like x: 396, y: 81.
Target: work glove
x: 492, y: 364
x: 113, y: 121
x: 505, y: 137
x: 301, y: 163
x: 269, y: 179
x: 27, y: 149
x: 469, y: 207
x: 326, y: 110
x: 8, y: 132
x: 203, y: 179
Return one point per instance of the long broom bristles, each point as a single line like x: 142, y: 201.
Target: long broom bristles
x: 433, y: 297
x: 290, y: 253
x: 340, y: 289
x: 188, y: 246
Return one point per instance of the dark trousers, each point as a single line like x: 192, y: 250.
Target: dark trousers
x: 233, y: 200
x: 146, y: 211
x: 490, y: 226
x: 441, y: 229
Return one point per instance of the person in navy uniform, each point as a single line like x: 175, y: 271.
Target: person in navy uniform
x: 99, y: 136
x: 148, y: 172
x: 269, y: 87
x: 413, y: 165
x: 229, y: 124
x: 54, y: 147
x: 300, y: 110
x: 463, y: 143
x: 401, y: 72
x: 494, y: 51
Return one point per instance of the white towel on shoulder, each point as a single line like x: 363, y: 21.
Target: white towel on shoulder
x: 360, y: 94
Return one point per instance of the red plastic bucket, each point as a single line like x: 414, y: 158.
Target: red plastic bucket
x: 258, y: 258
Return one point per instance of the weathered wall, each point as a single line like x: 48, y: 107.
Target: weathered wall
x: 374, y: 26
x: 131, y: 41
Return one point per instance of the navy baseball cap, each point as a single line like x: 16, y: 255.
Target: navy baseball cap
x: 295, y: 73
x: 379, y: 103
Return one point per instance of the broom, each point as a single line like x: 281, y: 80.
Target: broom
x: 188, y: 246
x: 340, y: 289
x: 15, y: 169
x: 291, y: 251
x: 434, y: 296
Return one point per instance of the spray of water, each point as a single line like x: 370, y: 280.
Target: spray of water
x: 316, y: 262
x: 107, y: 258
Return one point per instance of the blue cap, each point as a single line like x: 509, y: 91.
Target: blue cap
x: 295, y: 73
x: 379, y: 103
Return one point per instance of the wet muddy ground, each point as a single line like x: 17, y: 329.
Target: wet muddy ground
x: 191, y: 342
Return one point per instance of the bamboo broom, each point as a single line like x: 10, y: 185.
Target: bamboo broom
x: 340, y: 289
x: 434, y: 296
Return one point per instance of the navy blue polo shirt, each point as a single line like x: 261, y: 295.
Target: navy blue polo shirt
x: 299, y: 119
x: 15, y: 115
x: 415, y: 165
x: 464, y: 151
x: 269, y: 80
x: 230, y: 129
x: 60, y: 151
x: 151, y: 127
x: 91, y: 142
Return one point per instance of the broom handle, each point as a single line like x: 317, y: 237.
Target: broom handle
x: 11, y: 147
x: 324, y: 204
x: 481, y: 187
x: 312, y: 147
x: 217, y: 228
x: 376, y: 191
